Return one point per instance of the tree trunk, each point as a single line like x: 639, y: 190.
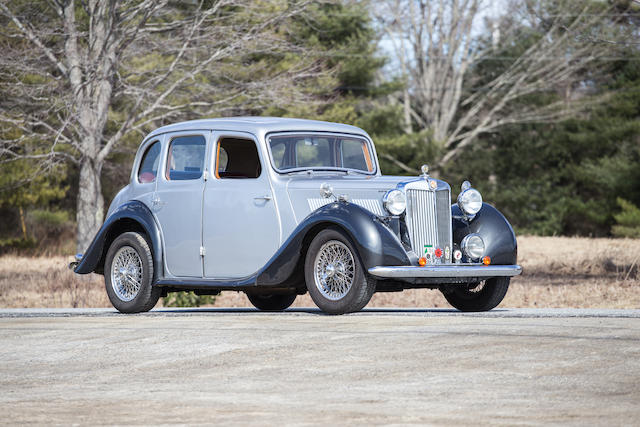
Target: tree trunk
x: 22, y: 223
x: 90, y: 206
x: 407, y: 111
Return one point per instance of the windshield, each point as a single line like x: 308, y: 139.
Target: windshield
x: 290, y: 152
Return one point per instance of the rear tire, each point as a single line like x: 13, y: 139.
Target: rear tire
x: 128, y: 274
x: 486, y: 298
x: 271, y: 302
x: 334, y: 275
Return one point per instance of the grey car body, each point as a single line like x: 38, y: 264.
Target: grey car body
x: 249, y: 228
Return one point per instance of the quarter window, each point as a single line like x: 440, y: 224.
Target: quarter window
x: 237, y: 158
x: 186, y: 158
x: 149, y: 164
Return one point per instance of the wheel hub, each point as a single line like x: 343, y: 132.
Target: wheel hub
x: 126, y: 273
x: 329, y: 271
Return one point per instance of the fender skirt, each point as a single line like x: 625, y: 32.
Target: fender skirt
x: 499, y: 238
x: 93, y: 259
x: 375, y: 242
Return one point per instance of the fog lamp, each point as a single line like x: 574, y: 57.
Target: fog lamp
x: 473, y: 246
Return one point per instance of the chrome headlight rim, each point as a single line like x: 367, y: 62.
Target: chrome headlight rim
x: 470, y: 245
x: 470, y: 201
x: 395, y: 202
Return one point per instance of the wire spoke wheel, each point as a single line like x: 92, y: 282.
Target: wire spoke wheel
x: 126, y: 273
x: 471, y: 292
x: 334, y: 270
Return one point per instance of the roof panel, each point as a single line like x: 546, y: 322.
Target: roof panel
x: 259, y: 125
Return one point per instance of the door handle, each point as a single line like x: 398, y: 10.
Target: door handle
x: 157, y: 202
x: 265, y: 197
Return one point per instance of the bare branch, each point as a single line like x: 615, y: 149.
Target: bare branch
x: 29, y: 34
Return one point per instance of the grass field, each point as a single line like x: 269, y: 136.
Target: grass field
x: 558, y: 272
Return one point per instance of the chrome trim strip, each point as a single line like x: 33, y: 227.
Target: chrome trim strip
x: 444, y: 271
x: 372, y: 205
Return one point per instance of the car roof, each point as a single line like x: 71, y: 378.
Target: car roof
x: 259, y: 125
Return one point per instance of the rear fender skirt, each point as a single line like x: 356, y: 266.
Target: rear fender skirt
x: 135, y: 211
x: 499, y: 238
x: 375, y: 242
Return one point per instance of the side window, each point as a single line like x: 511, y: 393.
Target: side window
x: 237, y: 158
x: 186, y: 158
x: 149, y: 164
x: 355, y: 155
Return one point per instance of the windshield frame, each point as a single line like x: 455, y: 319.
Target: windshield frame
x: 315, y: 134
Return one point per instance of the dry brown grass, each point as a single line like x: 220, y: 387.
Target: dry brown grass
x: 558, y: 272
x: 47, y: 282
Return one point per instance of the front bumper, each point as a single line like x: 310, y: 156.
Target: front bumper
x: 446, y: 271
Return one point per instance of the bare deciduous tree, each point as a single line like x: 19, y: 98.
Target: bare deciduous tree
x: 437, y: 45
x: 79, y: 76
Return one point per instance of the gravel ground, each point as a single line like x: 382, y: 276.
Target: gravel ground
x: 381, y: 366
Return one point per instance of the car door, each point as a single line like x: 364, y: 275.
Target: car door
x: 241, y: 228
x: 177, y: 203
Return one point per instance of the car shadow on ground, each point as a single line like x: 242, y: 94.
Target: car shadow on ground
x: 305, y: 310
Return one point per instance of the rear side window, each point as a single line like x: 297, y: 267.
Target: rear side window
x: 237, y: 158
x: 149, y: 165
x: 186, y: 158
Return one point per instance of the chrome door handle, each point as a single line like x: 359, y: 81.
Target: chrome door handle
x: 266, y: 197
x: 157, y: 202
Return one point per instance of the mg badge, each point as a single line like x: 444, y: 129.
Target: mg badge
x: 428, y: 253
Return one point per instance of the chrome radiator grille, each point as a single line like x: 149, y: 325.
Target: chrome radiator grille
x: 429, y: 221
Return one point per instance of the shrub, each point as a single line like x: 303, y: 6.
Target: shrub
x: 49, y: 219
x: 16, y: 243
x: 627, y: 221
x: 187, y: 299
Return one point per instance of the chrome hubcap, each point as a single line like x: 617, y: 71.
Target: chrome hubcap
x: 126, y: 273
x: 334, y: 270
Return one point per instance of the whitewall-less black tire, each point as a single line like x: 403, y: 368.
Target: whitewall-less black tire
x: 128, y: 274
x: 483, y: 298
x: 271, y: 302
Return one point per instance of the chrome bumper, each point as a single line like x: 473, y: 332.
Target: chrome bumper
x: 446, y: 271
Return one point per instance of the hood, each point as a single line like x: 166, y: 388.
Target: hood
x: 363, y: 190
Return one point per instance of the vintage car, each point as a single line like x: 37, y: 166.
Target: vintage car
x: 277, y: 207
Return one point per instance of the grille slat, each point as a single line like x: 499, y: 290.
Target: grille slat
x: 443, y: 221
x: 429, y: 220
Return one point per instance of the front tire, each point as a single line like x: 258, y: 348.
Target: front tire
x: 271, y: 302
x: 128, y: 274
x: 334, y: 275
x: 482, y: 298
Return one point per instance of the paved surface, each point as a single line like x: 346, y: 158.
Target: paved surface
x: 300, y: 367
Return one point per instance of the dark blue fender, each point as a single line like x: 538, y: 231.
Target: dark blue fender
x: 133, y: 215
x: 375, y: 242
x: 495, y: 230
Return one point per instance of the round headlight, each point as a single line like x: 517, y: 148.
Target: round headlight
x: 470, y: 201
x: 473, y: 246
x: 395, y: 202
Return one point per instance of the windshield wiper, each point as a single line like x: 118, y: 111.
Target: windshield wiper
x: 310, y: 171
